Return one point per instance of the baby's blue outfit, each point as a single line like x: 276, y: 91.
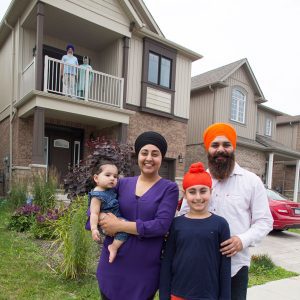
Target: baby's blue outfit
x: 109, y: 203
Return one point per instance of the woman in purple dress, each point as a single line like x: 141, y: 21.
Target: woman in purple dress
x: 148, y: 203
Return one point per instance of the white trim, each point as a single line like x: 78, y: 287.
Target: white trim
x: 270, y: 170
x: 38, y: 166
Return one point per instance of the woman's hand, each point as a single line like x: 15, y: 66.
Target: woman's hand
x: 110, y: 224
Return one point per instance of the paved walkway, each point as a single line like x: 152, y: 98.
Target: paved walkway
x: 284, y: 249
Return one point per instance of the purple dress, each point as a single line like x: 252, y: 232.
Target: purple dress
x: 134, y: 274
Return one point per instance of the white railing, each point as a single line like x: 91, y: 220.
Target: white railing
x: 82, y: 83
x: 28, y: 79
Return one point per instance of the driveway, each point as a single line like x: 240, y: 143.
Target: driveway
x: 284, y: 249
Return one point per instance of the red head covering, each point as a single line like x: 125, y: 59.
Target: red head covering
x: 219, y: 129
x: 196, y: 176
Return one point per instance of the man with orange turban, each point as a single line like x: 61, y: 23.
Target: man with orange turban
x: 240, y: 197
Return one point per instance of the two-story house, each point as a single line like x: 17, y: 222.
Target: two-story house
x: 287, y: 172
x: 232, y: 94
x: 139, y: 81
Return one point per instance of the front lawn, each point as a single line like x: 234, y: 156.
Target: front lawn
x: 26, y: 273
x: 27, y: 269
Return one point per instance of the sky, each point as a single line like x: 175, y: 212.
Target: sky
x: 266, y: 32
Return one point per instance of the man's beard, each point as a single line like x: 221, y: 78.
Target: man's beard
x: 221, y: 169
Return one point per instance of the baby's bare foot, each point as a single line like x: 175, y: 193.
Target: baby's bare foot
x: 112, y: 253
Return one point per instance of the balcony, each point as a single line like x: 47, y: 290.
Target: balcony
x: 83, y: 84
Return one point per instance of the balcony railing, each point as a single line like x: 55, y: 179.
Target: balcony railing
x: 82, y: 83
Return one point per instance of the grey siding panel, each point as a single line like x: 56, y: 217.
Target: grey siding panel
x: 5, y: 74
x: 111, y: 59
x: 158, y: 100
x: 287, y: 135
x: 182, y: 87
x: 135, y: 71
x: 223, y: 104
x: 201, y: 116
x: 28, y: 42
x: 262, y: 116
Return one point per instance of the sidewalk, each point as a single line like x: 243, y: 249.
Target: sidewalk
x: 285, y: 289
x: 284, y: 249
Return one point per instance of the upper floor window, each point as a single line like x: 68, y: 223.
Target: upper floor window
x: 268, y: 129
x: 238, y: 106
x: 159, y: 70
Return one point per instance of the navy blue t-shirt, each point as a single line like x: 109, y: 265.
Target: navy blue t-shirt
x: 193, y: 266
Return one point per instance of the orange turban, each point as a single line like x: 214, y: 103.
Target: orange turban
x: 219, y: 129
x: 196, y: 176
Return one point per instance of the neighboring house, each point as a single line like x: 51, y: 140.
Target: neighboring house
x: 288, y: 133
x: 232, y: 94
x: 140, y: 81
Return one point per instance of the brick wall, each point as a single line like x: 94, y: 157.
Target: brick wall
x: 173, y: 131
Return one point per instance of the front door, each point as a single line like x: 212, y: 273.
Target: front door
x: 64, y: 148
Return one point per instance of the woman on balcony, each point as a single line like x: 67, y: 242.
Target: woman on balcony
x: 149, y: 203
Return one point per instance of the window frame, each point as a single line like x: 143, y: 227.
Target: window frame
x: 270, y: 123
x: 163, y: 51
x: 244, y: 93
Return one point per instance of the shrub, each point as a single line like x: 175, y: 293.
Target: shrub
x: 44, y: 225
x: 261, y: 263
x: 18, y: 194
x: 44, y: 191
x: 73, y: 240
x: 23, y: 218
x: 79, y: 180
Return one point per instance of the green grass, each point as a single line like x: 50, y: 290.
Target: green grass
x: 294, y: 230
x: 27, y: 270
x: 263, y: 270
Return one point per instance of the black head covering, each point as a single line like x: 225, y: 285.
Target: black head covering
x: 153, y: 138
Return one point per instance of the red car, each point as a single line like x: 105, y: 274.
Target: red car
x: 286, y: 213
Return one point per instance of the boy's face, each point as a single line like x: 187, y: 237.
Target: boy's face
x: 198, y: 197
x: 107, y: 179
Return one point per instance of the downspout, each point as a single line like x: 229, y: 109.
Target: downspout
x: 213, y: 108
x: 12, y: 100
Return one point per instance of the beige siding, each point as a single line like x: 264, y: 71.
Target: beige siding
x: 223, y: 104
x: 262, y: 117
x: 158, y: 100
x: 287, y: 135
x: 28, y: 43
x: 135, y: 62
x: 106, y: 13
x: 5, y: 74
x: 111, y: 59
x: 201, y: 116
x: 182, y: 87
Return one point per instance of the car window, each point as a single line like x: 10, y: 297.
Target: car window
x: 275, y: 196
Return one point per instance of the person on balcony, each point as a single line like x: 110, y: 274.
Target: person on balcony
x: 82, y: 84
x: 68, y: 71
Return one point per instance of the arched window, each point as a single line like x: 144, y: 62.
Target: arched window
x: 238, y: 106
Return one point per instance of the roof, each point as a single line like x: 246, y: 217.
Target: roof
x: 287, y: 119
x: 271, y: 110
x: 136, y: 10
x: 218, y: 76
x: 274, y: 146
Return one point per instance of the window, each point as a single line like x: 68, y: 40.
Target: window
x: 238, y: 106
x: 268, y: 129
x: 159, y: 70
